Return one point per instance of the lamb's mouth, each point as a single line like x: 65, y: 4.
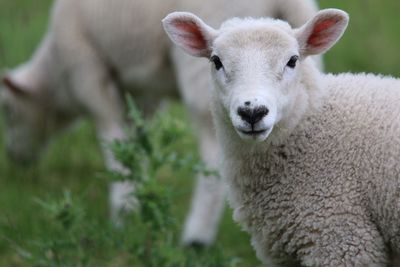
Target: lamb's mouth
x: 258, y: 135
x: 253, y: 132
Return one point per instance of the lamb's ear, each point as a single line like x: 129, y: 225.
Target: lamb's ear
x: 13, y: 87
x: 190, y: 33
x: 322, y: 32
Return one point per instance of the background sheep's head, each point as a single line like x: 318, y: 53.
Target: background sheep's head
x: 28, y: 121
x: 257, y: 63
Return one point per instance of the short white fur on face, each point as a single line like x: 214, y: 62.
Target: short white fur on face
x: 256, y: 63
x: 253, y: 86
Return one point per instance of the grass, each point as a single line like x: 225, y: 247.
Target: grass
x: 370, y: 43
x: 74, y: 160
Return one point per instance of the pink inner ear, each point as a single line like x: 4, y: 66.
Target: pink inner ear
x: 321, y: 33
x: 190, y: 34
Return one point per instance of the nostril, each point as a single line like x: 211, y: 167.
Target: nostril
x: 264, y: 110
x: 253, y: 116
x: 245, y: 114
x: 259, y: 113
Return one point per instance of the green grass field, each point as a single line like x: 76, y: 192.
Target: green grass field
x: 73, y: 161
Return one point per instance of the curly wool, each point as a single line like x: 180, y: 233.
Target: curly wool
x: 331, y: 190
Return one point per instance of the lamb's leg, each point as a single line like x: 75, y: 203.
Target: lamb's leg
x: 208, y: 199
x: 98, y: 94
x: 109, y: 129
x: 120, y: 196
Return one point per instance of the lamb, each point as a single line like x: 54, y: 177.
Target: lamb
x: 94, y: 48
x: 310, y: 159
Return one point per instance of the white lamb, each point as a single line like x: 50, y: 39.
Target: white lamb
x: 94, y: 48
x: 311, y: 159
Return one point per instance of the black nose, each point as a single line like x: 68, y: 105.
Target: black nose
x: 252, y: 115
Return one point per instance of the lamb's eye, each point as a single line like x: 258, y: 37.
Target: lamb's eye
x: 292, y: 62
x: 217, y: 62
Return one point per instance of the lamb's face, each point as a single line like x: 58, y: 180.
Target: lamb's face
x: 25, y: 129
x: 255, y: 71
x: 256, y: 63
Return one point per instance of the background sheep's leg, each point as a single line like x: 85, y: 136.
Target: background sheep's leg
x: 98, y: 94
x: 121, y: 199
x: 110, y: 128
x: 208, y: 199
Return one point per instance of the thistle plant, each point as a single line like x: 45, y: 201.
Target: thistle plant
x: 153, y: 150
